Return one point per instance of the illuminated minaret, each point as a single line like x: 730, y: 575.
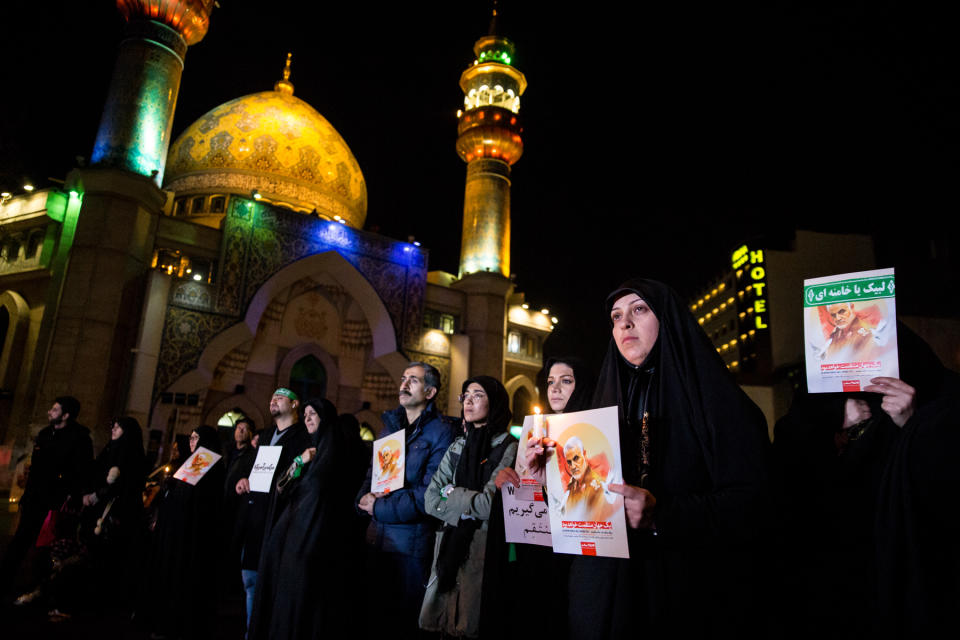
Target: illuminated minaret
x: 489, y: 142
x: 103, y: 259
x: 135, y: 127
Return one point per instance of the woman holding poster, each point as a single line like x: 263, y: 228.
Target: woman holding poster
x: 460, y: 494
x: 183, y: 564
x: 695, y: 480
x: 304, y: 577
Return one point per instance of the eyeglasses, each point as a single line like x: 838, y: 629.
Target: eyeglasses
x: 472, y: 397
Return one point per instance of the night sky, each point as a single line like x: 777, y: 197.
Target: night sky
x: 656, y: 139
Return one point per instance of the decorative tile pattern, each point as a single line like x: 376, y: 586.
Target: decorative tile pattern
x: 258, y: 241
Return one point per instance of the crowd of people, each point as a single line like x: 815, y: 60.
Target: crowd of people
x: 841, y: 528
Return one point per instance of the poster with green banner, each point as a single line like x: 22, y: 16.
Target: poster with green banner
x: 850, y: 329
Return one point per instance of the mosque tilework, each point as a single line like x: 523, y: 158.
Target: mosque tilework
x: 185, y: 333
x: 258, y: 241
x: 193, y: 295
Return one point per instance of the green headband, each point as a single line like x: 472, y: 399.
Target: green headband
x: 283, y: 391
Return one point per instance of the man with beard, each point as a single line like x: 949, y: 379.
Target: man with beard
x: 258, y: 511
x: 62, y: 455
x: 401, y: 533
x: 584, y: 497
x: 851, y: 338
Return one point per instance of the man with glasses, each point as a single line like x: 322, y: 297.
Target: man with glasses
x: 400, y: 536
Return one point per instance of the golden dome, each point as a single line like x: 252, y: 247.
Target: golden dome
x: 273, y: 143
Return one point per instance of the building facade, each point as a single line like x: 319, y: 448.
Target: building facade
x: 182, y: 281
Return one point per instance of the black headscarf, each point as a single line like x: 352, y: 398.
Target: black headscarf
x: 128, y: 447
x: 476, y: 465
x: 585, y: 383
x: 327, y: 412
x: 688, y: 387
x: 209, y: 439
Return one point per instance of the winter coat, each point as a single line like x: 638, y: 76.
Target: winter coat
x: 457, y: 612
x: 400, y: 518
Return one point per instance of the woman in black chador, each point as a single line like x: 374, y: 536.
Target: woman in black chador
x: 183, y: 562
x: 568, y: 385
x: 694, y: 451
x: 300, y: 586
x: 115, y: 503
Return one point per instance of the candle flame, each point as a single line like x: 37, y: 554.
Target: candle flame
x: 536, y: 410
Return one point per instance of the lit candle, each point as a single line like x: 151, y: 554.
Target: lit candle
x: 539, y: 432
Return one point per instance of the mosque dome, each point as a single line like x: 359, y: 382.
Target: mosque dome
x: 276, y: 145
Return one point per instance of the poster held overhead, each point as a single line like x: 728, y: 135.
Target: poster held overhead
x: 850, y: 330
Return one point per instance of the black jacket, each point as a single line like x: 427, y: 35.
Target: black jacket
x: 257, y: 511
x: 61, y: 462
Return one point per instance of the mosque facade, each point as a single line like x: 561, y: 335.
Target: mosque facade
x: 181, y: 281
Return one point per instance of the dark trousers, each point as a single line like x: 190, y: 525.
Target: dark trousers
x: 31, y: 521
x: 405, y: 578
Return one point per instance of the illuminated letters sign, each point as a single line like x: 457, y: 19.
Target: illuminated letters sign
x: 752, y: 262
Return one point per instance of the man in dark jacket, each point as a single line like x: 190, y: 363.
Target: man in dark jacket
x: 254, y: 518
x: 401, y: 533
x: 62, y: 456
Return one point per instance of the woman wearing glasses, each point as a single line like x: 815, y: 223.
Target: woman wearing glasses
x: 460, y: 495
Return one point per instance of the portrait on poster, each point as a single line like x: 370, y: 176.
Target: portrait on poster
x: 586, y: 518
x: 850, y: 330
x: 197, y: 465
x: 389, y: 454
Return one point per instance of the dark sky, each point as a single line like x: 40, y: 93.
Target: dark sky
x: 656, y: 139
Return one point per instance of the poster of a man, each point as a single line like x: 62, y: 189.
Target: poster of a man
x: 586, y: 518
x: 850, y: 329
x: 584, y: 498
x: 196, y: 466
x: 852, y: 336
x: 388, y: 463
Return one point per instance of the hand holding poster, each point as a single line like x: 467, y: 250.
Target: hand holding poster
x: 389, y: 458
x: 850, y: 329
x: 525, y: 514
x: 264, y: 467
x: 197, y: 465
x: 586, y: 518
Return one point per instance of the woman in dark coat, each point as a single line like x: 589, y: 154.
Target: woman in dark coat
x: 302, y: 569
x: 183, y: 562
x: 115, y: 507
x: 694, y: 451
x: 568, y: 385
x: 918, y: 525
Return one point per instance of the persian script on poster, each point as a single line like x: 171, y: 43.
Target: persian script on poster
x: 850, y: 330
